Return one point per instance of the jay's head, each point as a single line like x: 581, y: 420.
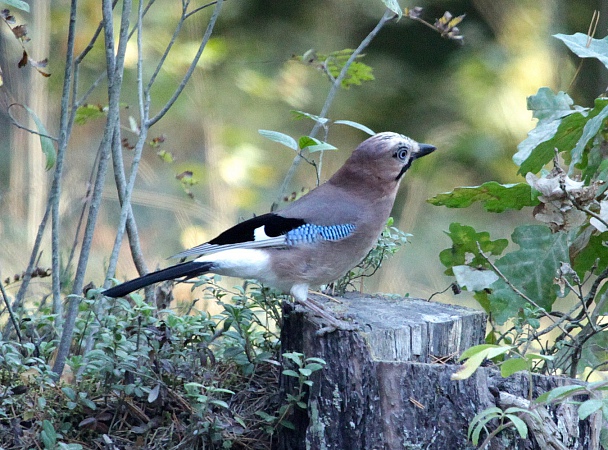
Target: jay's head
x: 386, y: 156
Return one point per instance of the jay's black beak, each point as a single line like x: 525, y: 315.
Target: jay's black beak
x: 424, y: 149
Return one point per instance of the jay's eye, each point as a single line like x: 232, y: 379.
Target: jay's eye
x: 401, y: 154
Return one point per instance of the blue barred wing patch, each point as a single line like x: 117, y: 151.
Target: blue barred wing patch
x: 309, y: 233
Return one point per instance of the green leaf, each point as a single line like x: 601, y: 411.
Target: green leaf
x: 323, y: 146
x: 165, y: 156
x: 288, y: 424
x: 545, y: 105
x: 48, y: 434
x: 539, y: 147
x: 469, y: 367
x: 313, y: 367
x: 333, y: 64
x: 494, y: 196
x: 281, y: 138
x: 314, y: 145
x: 536, y: 356
x: 595, y: 250
x: 564, y: 134
x: 356, y: 125
x: 356, y: 74
x: 594, y: 350
x: 320, y: 360
x: 297, y: 115
x: 19, y: 4
x: 220, y: 403
x: 153, y: 394
x: 520, y: 425
x: 291, y: 373
x: 295, y: 357
x: 464, y: 248
x: 305, y: 372
x: 531, y: 269
x: 480, y: 420
x: 597, y: 386
x: 559, y: 392
x: 476, y: 355
x: 591, y: 128
x: 46, y: 143
x: 585, y: 47
x: 513, y: 365
x: 393, y: 5
x: 69, y: 392
x: 85, y: 113
x: 517, y: 409
x: 265, y: 416
x: 543, y: 132
x: 484, y: 349
x: 588, y: 407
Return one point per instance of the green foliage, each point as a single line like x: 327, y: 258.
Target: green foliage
x: 304, y: 143
x: 569, y: 135
x: 546, y: 105
x: 314, y: 145
x: 465, y: 248
x: 178, y: 368
x: 331, y: 64
x: 596, y: 402
x: 300, y: 369
x: 280, y: 138
x: 19, y: 4
x: 505, y: 417
x: 390, y: 242
x: 585, y: 47
x: 593, y: 256
x: 46, y: 143
x: 565, y: 256
x: 494, y: 196
x: 531, y: 269
x: 356, y: 125
x: 506, y: 357
x: 88, y: 112
x: 474, y: 356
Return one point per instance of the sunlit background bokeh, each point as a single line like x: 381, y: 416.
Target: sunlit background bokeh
x: 469, y: 100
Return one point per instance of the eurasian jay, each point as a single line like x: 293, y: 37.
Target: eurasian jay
x: 314, y: 240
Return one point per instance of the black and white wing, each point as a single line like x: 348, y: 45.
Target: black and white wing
x: 270, y: 230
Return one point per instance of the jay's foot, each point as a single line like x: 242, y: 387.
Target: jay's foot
x: 333, y: 323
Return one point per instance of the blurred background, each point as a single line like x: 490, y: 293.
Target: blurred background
x: 468, y: 100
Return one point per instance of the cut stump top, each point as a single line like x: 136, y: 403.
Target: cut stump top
x: 410, y: 329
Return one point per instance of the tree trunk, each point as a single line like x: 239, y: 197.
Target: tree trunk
x: 388, y: 386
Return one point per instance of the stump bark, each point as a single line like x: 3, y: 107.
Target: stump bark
x: 388, y: 386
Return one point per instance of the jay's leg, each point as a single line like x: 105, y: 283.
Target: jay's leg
x: 300, y: 295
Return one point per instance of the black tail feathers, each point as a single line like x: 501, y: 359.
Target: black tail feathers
x: 185, y: 270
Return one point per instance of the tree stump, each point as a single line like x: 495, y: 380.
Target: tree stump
x: 388, y: 386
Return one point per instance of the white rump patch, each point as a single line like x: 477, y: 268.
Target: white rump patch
x: 240, y: 262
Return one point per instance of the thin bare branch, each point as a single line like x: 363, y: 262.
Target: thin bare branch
x: 114, y: 63
x: 23, y: 127
x: 10, y: 311
x: 387, y: 17
x: 193, y: 64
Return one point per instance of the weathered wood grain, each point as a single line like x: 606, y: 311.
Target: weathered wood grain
x: 388, y: 387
